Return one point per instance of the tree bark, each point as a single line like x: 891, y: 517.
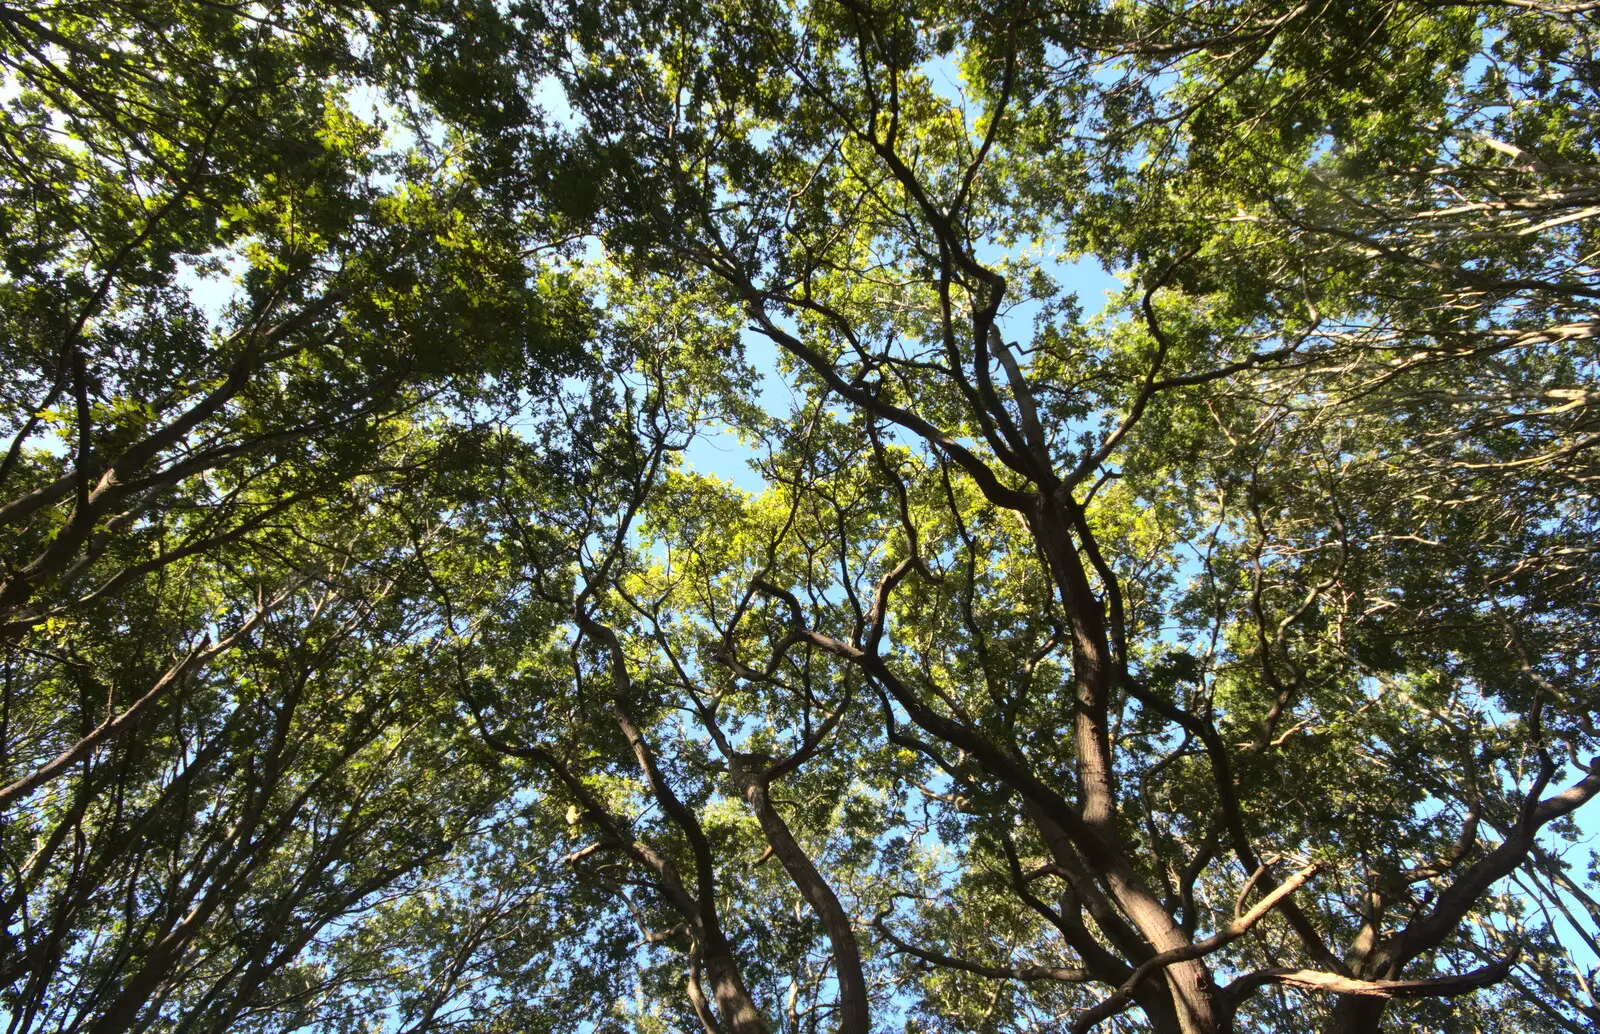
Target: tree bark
x: 854, y: 1014
x: 739, y: 1013
x: 1193, y: 994
x: 1354, y: 1014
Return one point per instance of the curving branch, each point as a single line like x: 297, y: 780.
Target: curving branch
x: 1333, y: 983
x: 1199, y: 949
x: 1065, y: 975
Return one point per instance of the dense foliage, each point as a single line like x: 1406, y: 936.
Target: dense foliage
x: 380, y: 653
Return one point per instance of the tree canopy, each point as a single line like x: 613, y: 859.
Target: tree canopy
x: 381, y: 651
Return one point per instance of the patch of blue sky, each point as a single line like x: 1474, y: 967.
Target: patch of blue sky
x: 212, y: 291
x: 548, y: 93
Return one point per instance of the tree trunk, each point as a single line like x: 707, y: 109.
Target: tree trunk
x: 854, y: 1015
x: 1356, y: 1014
x: 1192, y: 992
x: 739, y: 1012
x: 1160, y: 1012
